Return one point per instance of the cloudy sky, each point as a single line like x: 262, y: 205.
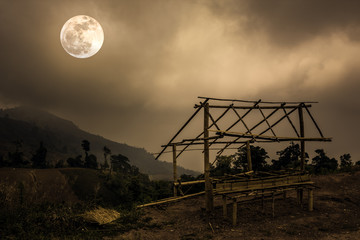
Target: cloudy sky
x: 158, y: 56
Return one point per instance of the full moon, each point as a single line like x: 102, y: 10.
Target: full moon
x: 82, y: 36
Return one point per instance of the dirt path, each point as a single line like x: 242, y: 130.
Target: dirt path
x: 335, y: 216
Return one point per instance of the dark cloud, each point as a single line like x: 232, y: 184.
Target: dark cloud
x: 289, y: 23
x: 158, y: 56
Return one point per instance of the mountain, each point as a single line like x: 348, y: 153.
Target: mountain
x: 62, y: 139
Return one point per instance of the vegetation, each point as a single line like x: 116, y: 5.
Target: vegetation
x: 289, y: 158
x: 118, y: 184
x: 23, y: 216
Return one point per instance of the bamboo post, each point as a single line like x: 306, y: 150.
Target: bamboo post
x: 234, y: 214
x: 311, y: 199
x: 224, y: 205
x: 302, y: 147
x: 302, y: 135
x: 174, y: 169
x: 262, y: 202
x: 208, y: 188
x: 248, y: 151
x: 273, y: 204
x: 298, y: 196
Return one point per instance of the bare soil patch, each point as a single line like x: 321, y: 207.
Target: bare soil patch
x: 335, y: 216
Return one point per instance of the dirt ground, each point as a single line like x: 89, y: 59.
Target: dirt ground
x: 335, y: 216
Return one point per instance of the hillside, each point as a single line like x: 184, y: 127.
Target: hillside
x: 62, y: 138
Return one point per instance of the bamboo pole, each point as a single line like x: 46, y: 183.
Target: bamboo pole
x: 189, y: 144
x: 238, y: 100
x: 248, y: 152
x: 262, y: 201
x: 312, y: 118
x: 291, y: 123
x: 273, y: 205
x: 234, y: 213
x: 182, y: 128
x: 270, y: 138
x: 174, y: 169
x: 234, y: 141
x: 250, y: 107
x: 311, y: 199
x: 302, y: 147
x: 224, y: 205
x: 172, y: 199
x: 302, y: 135
x: 208, y: 188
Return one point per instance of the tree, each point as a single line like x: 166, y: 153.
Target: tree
x: 120, y: 163
x: 60, y: 164
x: 223, y: 165
x: 345, y: 161
x: 39, y: 158
x: 3, y: 163
x: 75, y: 162
x: 258, y: 158
x: 91, y: 162
x: 85, y: 144
x: 107, y: 152
x: 289, y: 157
x: 323, y: 164
x: 17, y: 158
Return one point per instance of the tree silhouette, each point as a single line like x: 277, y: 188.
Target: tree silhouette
x: 2, y: 161
x: 107, y: 152
x: 223, y: 165
x: 91, y: 162
x: 85, y: 144
x: 75, y: 162
x: 120, y: 163
x: 289, y: 157
x: 39, y: 158
x: 258, y: 158
x: 323, y: 164
x: 345, y: 162
x: 17, y: 158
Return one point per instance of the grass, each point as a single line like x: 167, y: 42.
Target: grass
x: 48, y: 221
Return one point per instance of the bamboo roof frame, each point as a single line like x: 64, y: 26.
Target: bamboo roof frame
x: 242, y: 138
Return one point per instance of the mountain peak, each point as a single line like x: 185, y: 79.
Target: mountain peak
x: 38, y: 117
